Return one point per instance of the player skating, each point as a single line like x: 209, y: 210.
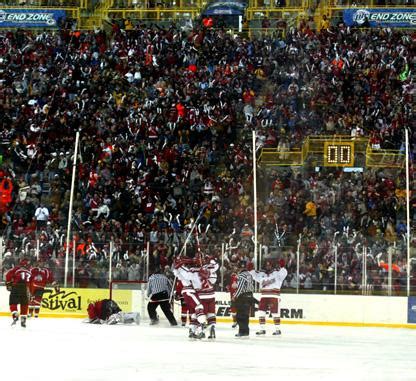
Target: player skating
x: 41, y: 276
x: 17, y: 282
x: 188, y: 274
x: 208, y: 277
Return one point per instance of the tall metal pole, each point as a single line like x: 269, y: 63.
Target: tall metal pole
x: 255, y: 196
x: 406, y: 134
x: 389, y: 272
x: 110, y: 262
x: 147, y: 259
x: 1, y: 258
x: 335, y: 267
x: 71, y: 201
x: 222, y: 266
x: 298, y: 263
x: 335, y: 247
x: 74, y: 252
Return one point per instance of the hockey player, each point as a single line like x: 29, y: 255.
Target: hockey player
x: 107, y: 311
x: 208, y: 277
x: 184, y: 308
x: 17, y: 282
x: 270, y: 281
x: 232, y: 288
x: 189, y: 276
x: 41, y: 276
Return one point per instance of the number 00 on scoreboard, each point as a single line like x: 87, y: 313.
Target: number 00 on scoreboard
x: 339, y: 154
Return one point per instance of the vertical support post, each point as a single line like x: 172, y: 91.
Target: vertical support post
x: 390, y: 272
x: 147, y: 259
x: 298, y: 263
x: 406, y: 134
x: 74, y: 252
x: 335, y: 267
x: 1, y: 258
x: 222, y: 266
x: 37, y: 248
x: 71, y: 201
x: 255, y: 195
x: 110, y: 263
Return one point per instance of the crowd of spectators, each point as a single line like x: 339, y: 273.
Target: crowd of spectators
x: 165, y: 116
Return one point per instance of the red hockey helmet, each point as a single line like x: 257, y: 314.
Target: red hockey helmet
x: 24, y: 262
x: 282, y: 263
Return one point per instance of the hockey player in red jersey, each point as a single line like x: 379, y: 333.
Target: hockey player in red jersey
x: 232, y: 288
x: 270, y: 281
x: 17, y: 282
x: 41, y: 276
x: 107, y: 311
x: 184, y: 308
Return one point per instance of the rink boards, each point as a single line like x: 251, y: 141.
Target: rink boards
x: 342, y: 310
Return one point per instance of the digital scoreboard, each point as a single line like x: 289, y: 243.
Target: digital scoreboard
x: 338, y: 154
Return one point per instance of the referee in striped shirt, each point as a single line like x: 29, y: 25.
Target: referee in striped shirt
x: 243, y: 299
x: 158, y: 289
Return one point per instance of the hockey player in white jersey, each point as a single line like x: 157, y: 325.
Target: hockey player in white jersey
x: 208, y: 277
x: 189, y: 276
x: 270, y: 281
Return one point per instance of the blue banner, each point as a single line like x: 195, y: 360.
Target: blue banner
x: 380, y: 17
x: 31, y: 18
x: 411, y: 310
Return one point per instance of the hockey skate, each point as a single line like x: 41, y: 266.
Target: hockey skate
x: 192, y: 334
x: 115, y: 319
x: 23, y: 321
x: 200, y: 334
x: 261, y: 332
x: 278, y: 332
x: 212, y: 332
x: 241, y: 335
x: 15, y: 319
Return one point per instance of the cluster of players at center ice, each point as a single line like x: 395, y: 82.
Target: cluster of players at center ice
x: 196, y: 278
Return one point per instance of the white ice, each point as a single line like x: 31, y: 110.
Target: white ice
x: 70, y: 350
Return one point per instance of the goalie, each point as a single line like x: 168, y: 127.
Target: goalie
x: 107, y: 311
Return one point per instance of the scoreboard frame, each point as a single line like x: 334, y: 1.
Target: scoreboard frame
x: 339, y: 154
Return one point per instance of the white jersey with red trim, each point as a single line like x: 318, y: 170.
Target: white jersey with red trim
x: 208, y: 277
x: 270, y: 282
x: 189, y: 279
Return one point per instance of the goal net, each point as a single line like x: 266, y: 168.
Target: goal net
x: 131, y: 296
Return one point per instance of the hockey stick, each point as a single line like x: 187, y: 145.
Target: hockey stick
x: 183, y: 248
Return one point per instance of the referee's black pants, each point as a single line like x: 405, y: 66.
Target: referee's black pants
x: 243, y: 306
x: 161, y: 299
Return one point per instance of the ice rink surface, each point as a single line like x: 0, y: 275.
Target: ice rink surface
x: 68, y: 349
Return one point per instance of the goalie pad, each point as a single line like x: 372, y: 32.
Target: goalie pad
x: 124, y: 318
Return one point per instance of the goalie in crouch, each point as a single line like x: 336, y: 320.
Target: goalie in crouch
x: 107, y: 311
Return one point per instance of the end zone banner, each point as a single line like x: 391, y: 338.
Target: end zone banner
x: 31, y: 18
x: 381, y: 17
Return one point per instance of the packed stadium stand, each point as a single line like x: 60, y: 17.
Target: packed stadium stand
x: 165, y: 96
